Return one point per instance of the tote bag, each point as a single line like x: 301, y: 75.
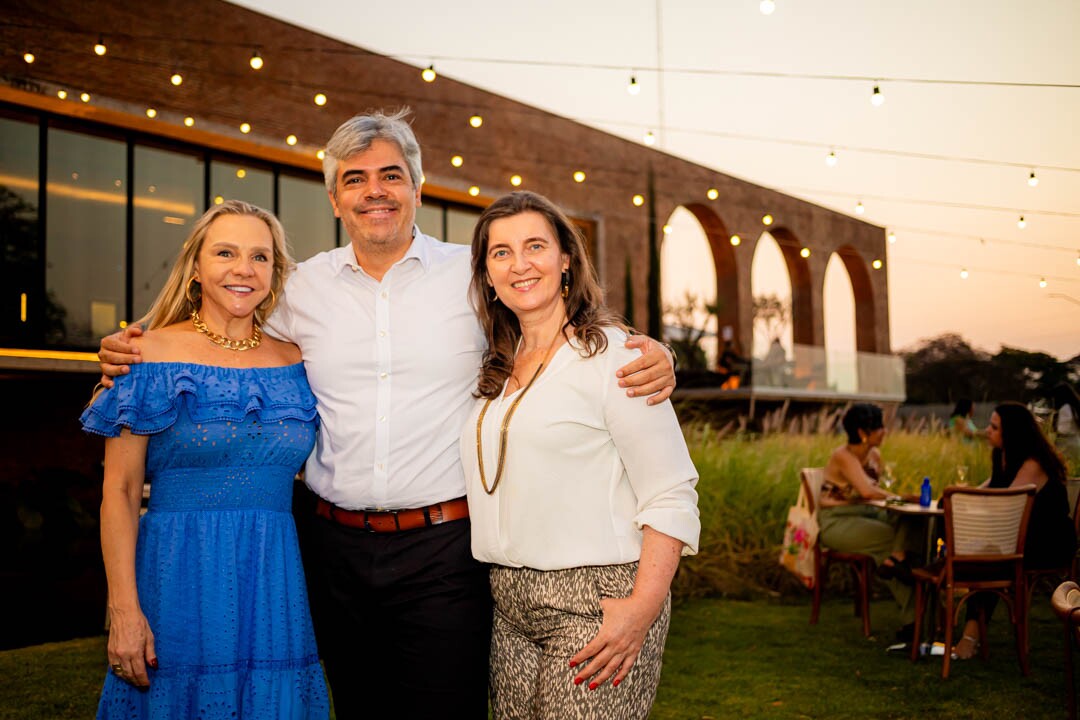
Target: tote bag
x: 800, y: 536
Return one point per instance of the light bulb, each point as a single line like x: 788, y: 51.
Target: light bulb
x: 649, y: 138
x: 218, y: 199
x: 319, y: 99
x: 151, y: 113
x: 876, y: 98
x: 805, y: 252
x: 241, y: 173
x: 189, y: 121
x: 457, y: 161
x: 515, y: 180
x: 476, y: 121
x: 474, y: 190
x: 859, y: 209
x: 712, y: 193
x: 176, y: 78
x: 429, y: 74
x: 1032, y: 180
x: 28, y: 57
x: 766, y: 7
x: 1021, y: 223
x: 579, y: 176
x: 99, y: 48
x: 1042, y: 282
x: 876, y: 264
x: 638, y: 200
x: 62, y: 94
x: 290, y: 140
x: 245, y: 128
x: 321, y: 154
x: 963, y: 274
x: 85, y: 97
x: 892, y: 237
x: 830, y: 159
x: 735, y: 240
x: 633, y: 88
x: 667, y: 229
x: 1078, y: 258
x: 767, y: 219
x: 256, y: 61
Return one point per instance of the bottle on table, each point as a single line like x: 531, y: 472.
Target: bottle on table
x: 925, y: 493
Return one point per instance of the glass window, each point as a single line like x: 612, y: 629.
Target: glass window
x: 305, y: 211
x: 429, y: 218
x: 240, y: 181
x: 85, y: 271
x: 20, y: 271
x: 459, y: 225
x: 168, y: 201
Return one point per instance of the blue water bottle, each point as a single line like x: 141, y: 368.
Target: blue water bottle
x: 924, y: 492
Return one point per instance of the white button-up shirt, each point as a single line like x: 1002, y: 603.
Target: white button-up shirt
x: 393, y: 365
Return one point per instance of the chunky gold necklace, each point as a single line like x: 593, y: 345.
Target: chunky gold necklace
x: 228, y: 343
x: 504, y: 428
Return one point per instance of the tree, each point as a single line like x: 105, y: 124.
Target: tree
x: 685, y: 328
x: 772, y: 314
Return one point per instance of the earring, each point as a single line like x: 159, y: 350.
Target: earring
x: 187, y: 291
x: 565, y: 283
x: 273, y: 300
x: 494, y: 295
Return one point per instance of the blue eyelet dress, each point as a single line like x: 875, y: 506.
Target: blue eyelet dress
x: 217, y: 563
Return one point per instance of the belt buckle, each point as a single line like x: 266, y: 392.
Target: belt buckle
x: 381, y: 511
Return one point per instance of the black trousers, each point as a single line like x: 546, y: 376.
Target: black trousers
x: 403, y: 620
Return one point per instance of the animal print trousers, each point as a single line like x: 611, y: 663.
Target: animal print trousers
x: 542, y: 619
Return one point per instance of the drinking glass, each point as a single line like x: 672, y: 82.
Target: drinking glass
x: 887, y: 478
x: 961, y: 473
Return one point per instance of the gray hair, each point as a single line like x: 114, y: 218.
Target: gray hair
x: 356, y: 134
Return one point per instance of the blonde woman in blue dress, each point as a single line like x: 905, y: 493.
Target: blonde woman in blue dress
x: 207, y: 602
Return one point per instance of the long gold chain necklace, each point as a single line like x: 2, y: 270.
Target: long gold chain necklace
x: 504, y: 428
x: 228, y: 343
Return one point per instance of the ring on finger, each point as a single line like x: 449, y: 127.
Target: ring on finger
x: 118, y: 669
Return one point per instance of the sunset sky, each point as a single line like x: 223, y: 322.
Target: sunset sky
x: 978, y: 95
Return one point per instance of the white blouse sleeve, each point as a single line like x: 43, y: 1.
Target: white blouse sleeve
x: 651, y: 446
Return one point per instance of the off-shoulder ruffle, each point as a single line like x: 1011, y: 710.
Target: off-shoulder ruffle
x: 149, y: 398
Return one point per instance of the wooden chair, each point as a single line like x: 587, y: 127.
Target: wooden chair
x: 984, y: 552
x: 1066, y: 604
x: 1065, y: 572
x: 861, y: 565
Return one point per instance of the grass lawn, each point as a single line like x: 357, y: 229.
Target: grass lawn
x: 724, y: 659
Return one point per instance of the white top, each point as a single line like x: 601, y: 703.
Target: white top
x: 393, y: 365
x: 1066, y: 423
x: 586, y: 467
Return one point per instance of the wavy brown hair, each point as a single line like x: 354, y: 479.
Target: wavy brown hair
x: 586, y: 313
x: 1022, y: 440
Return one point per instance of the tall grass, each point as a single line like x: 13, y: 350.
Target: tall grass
x: 748, y: 482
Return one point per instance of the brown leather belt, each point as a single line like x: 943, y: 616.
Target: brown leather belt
x: 386, y: 521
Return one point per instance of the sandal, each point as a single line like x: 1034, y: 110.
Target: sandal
x: 974, y: 648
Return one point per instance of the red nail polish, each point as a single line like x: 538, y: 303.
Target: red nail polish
x: 153, y: 663
x: 615, y: 683
x: 573, y: 664
x: 592, y: 686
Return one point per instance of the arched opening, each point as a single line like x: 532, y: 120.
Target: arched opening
x: 774, y: 337
x: 839, y: 312
x: 863, y: 293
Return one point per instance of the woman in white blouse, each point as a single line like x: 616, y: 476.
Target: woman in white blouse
x: 581, y: 498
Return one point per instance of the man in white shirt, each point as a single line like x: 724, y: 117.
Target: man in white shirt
x: 391, y: 347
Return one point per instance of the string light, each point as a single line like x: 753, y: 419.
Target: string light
x: 515, y: 180
x: 62, y: 94
x: 457, y: 161
x: 633, y: 88
x: 805, y: 252
x: 28, y: 57
x: 1078, y: 257
x: 649, y: 138
x: 474, y: 190
x: 891, y: 237
x: 176, y: 79
x: 1042, y: 282
x: 667, y: 229
x: 638, y: 200
x: 476, y: 121
x: 241, y: 173
x: 876, y: 98
x: 99, y: 48
x: 735, y: 240
x: 429, y: 73
x: 712, y: 193
x: 256, y: 61
x: 319, y: 99
x: 859, y: 209
x: 579, y: 176
x: 151, y: 113
x: 876, y: 264
x: 85, y: 97
x: 189, y: 121
x: 1032, y: 180
x: 830, y: 159
x: 321, y: 154
x: 1021, y: 223
x: 290, y: 140
x: 218, y: 199
x: 767, y: 219
x: 766, y: 7
x: 245, y: 128
x: 963, y: 274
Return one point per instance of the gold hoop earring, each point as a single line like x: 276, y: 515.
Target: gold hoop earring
x: 494, y: 295
x: 565, y: 283
x: 273, y: 300
x: 187, y: 291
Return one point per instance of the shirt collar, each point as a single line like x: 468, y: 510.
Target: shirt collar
x: 419, y: 249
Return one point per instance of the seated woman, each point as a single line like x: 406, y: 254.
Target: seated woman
x: 1023, y: 456
x: 960, y: 423
x: 848, y: 525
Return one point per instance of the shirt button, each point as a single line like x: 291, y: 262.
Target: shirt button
x: 382, y: 333
x: 382, y: 376
x: 385, y: 294
x: 380, y: 466
x: 382, y: 419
